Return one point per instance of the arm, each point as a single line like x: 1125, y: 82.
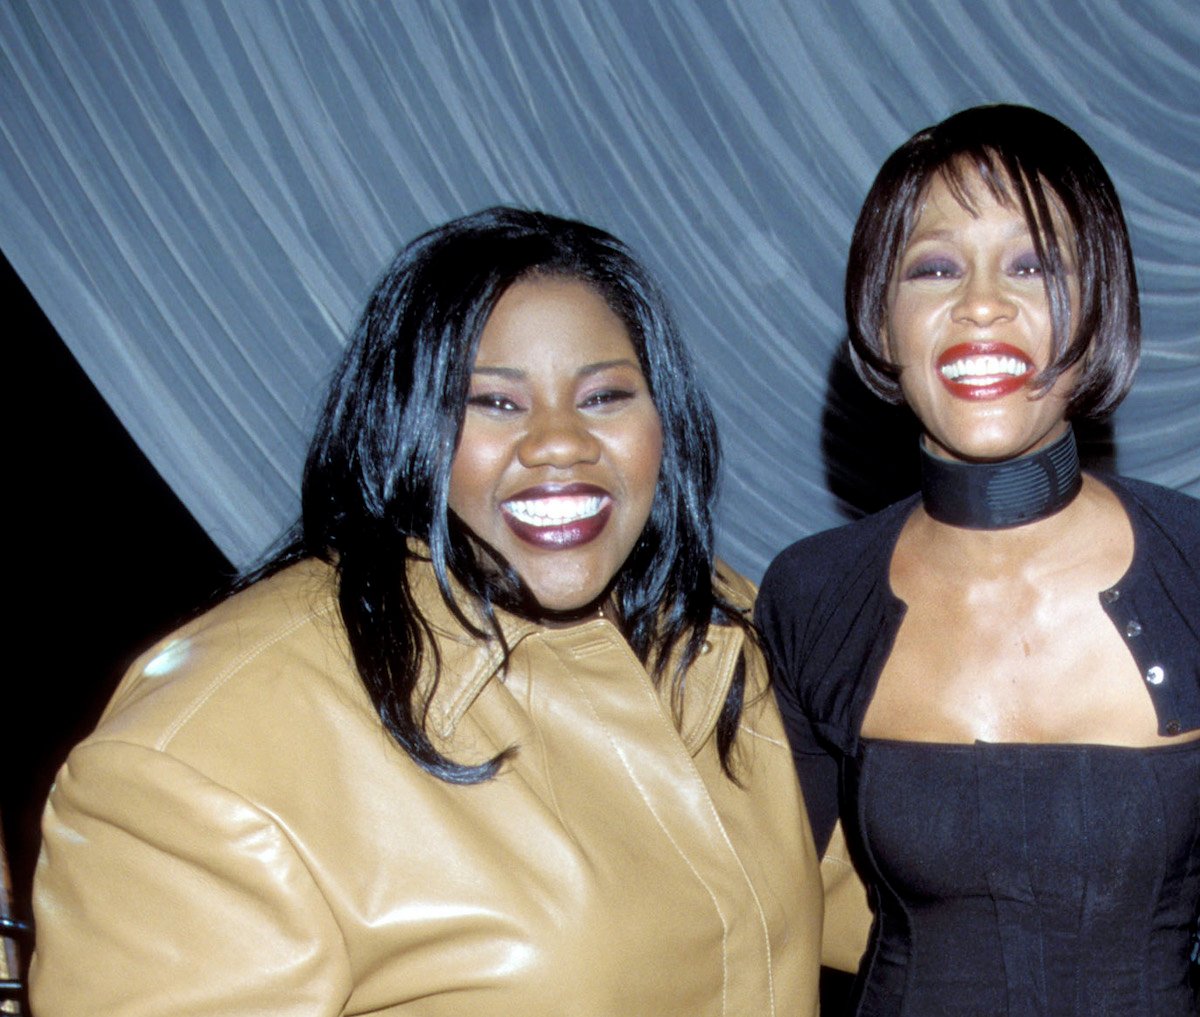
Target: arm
x: 847, y: 923
x: 159, y: 892
x: 778, y: 616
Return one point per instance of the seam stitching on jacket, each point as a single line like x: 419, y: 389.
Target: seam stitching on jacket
x: 674, y: 843
x: 233, y: 668
x: 777, y: 742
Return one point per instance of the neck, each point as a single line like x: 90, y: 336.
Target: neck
x: 997, y: 496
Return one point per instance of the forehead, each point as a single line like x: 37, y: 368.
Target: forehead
x: 946, y: 201
x: 960, y: 196
x: 552, y: 319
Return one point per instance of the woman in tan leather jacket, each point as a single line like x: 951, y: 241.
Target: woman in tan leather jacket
x: 490, y: 735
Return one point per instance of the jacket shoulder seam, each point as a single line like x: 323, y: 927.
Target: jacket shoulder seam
x: 231, y: 669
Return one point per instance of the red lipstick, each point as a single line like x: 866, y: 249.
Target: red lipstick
x: 983, y: 370
x: 558, y: 517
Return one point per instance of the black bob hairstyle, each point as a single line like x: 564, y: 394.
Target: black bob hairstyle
x: 1033, y: 162
x: 376, y: 482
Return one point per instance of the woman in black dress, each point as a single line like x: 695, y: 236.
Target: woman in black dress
x: 996, y: 684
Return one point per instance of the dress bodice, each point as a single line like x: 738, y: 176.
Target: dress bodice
x: 1023, y: 880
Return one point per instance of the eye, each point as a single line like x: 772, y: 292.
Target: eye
x: 932, y: 268
x: 1027, y: 266
x: 606, y: 397
x: 493, y: 402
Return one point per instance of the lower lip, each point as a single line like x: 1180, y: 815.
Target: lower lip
x: 1002, y: 385
x: 562, y: 537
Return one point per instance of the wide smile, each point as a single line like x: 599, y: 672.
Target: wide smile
x: 987, y: 370
x: 558, y: 518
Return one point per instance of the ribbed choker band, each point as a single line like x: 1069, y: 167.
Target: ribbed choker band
x: 995, y: 496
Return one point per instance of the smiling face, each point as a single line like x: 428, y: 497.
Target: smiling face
x: 969, y: 323
x: 558, y: 460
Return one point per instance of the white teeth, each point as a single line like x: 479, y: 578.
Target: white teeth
x: 970, y: 369
x: 557, y: 511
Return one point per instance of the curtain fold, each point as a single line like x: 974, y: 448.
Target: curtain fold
x: 200, y: 195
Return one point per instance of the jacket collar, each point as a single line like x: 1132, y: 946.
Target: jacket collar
x: 468, y: 664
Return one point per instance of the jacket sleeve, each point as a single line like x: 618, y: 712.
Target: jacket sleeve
x: 847, y: 925
x: 160, y: 893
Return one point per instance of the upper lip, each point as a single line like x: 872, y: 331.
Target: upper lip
x: 576, y: 489
x: 556, y: 505
x: 1008, y: 359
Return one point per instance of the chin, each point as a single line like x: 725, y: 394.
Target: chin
x: 561, y: 598
x: 990, y: 448
x: 567, y: 608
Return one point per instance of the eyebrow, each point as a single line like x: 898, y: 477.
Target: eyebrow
x: 516, y: 374
x: 1015, y: 229
x: 503, y: 372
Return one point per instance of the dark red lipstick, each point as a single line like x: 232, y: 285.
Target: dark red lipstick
x: 984, y: 370
x: 558, y: 517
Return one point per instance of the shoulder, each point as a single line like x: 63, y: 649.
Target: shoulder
x: 825, y: 606
x: 739, y: 593
x: 1158, y: 599
x: 829, y: 560
x: 734, y: 587
x: 760, y: 715
x: 263, y: 655
x: 200, y: 803
x: 1174, y: 513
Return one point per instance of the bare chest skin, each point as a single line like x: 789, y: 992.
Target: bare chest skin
x: 1004, y: 639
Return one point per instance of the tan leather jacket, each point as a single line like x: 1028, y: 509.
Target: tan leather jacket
x: 240, y: 835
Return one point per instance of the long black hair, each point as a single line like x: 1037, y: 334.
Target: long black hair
x: 377, y: 477
x: 1029, y: 160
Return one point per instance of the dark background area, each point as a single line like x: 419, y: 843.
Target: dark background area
x: 106, y: 560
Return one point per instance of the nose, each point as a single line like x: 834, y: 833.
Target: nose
x: 984, y: 301
x: 559, y: 438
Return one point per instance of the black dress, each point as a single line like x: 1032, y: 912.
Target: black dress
x: 1056, y: 880
x: 1008, y: 880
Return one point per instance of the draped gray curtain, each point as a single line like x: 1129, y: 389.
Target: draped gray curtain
x: 200, y: 193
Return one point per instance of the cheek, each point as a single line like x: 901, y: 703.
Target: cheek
x: 638, y: 451
x: 902, y: 330
x: 651, y: 449
x: 471, y: 474
x: 461, y: 495
x: 888, y: 323
x: 648, y: 469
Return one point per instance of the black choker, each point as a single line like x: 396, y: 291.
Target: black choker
x: 995, y: 496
